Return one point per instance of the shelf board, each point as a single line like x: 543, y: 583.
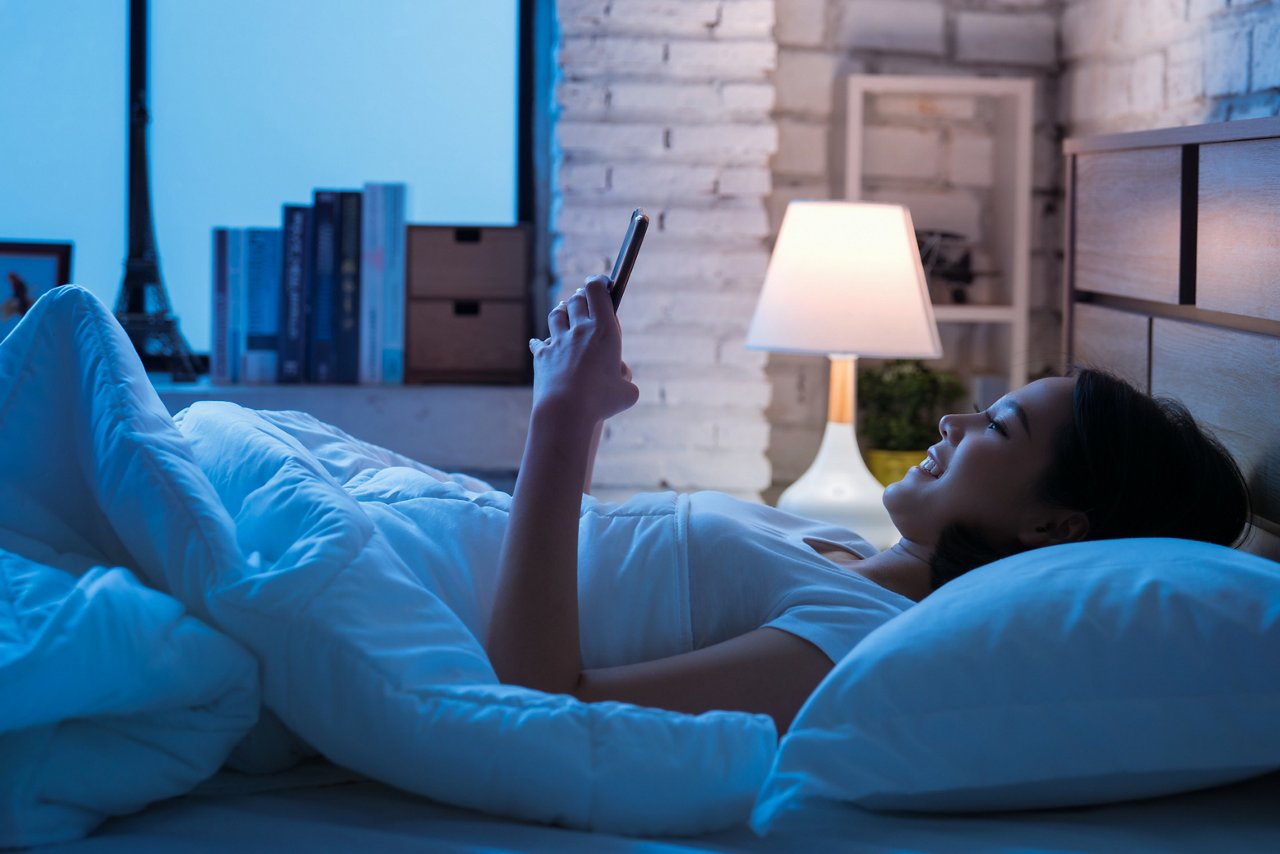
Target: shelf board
x: 975, y: 313
x: 470, y: 428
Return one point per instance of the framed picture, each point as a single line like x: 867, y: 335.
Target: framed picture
x: 27, y: 270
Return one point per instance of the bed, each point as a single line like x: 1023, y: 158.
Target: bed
x: 1168, y: 282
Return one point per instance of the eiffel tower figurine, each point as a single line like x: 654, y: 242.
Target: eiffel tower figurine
x: 142, y: 306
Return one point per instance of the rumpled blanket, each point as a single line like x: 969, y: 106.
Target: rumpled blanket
x: 372, y: 658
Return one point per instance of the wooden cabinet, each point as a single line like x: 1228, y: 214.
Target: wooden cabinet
x: 467, y: 311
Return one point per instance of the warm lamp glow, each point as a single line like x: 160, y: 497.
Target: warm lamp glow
x: 845, y: 280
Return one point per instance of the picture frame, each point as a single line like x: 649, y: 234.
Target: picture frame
x: 28, y: 269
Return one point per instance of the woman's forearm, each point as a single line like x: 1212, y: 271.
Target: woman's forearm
x: 533, y: 633
x: 592, y: 448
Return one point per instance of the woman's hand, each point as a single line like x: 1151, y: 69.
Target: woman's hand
x: 579, y: 380
x: 578, y: 370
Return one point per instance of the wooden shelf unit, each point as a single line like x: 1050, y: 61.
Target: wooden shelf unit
x: 1009, y: 237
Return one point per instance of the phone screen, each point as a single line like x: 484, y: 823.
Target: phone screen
x: 627, y: 255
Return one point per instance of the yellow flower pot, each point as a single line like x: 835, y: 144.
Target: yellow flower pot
x: 892, y: 466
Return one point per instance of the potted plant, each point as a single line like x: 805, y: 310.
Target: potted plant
x: 899, y: 404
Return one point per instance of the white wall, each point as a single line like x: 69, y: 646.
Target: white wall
x: 758, y: 85
x: 1140, y: 64
x: 666, y: 104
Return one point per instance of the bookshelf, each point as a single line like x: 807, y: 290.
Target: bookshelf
x: 995, y: 115
x: 435, y: 424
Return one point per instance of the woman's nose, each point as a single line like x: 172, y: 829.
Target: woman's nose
x: 950, y: 427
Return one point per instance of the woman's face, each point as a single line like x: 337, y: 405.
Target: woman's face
x: 983, y: 471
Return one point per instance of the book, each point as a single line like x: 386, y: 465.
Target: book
x: 259, y: 352
x: 382, y: 283
x: 393, y: 284
x: 346, y: 308
x: 219, y: 370
x: 372, y: 264
x: 228, y: 304
x: 295, y: 288
x: 322, y: 357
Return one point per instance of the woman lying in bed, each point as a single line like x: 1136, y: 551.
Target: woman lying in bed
x: 774, y: 599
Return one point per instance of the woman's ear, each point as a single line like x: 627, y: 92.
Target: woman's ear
x: 1067, y: 526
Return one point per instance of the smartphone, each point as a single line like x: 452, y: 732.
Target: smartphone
x: 627, y: 255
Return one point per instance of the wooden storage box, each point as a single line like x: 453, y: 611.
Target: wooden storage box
x: 467, y: 304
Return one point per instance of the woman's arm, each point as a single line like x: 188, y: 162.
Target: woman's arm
x: 578, y: 382
x: 767, y: 671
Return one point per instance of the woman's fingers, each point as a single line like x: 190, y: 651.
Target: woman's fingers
x: 578, y: 308
x: 558, y: 319
x: 597, y: 294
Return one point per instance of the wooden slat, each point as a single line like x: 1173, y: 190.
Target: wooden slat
x: 1230, y: 381
x: 1127, y: 223
x: 1238, y: 253
x: 1113, y: 340
x: 1185, y: 135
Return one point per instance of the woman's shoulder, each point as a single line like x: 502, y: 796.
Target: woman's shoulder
x: 716, y: 510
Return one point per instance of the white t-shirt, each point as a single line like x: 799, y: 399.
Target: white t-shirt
x: 659, y: 575
x: 662, y: 574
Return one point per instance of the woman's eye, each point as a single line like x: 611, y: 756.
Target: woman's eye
x: 993, y: 424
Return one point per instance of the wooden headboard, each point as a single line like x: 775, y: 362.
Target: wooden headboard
x: 1173, y: 280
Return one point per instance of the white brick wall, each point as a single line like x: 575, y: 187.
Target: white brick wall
x: 1226, y: 62
x: 801, y: 23
x: 806, y: 80
x: 1135, y: 64
x: 714, y: 114
x: 1007, y: 38
x: 931, y: 152
x: 666, y: 104
x: 905, y: 26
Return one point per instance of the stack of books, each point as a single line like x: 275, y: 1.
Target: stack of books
x: 320, y: 299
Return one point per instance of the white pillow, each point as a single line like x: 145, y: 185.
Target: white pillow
x: 1077, y: 674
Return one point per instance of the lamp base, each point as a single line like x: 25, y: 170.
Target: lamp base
x: 839, y: 489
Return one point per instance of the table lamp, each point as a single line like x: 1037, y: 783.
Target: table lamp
x: 844, y: 281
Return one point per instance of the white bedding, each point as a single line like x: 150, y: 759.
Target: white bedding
x: 257, y: 531
x: 112, y: 698
x: 273, y: 559
x: 317, y: 809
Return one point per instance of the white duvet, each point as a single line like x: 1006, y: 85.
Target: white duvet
x: 323, y: 558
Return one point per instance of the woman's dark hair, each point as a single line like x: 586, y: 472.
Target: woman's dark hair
x: 1135, y: 465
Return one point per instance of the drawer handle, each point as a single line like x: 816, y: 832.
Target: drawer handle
x: 466, y: 235
x: 466, y: 307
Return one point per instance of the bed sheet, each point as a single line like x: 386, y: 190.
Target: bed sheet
x: 320, y: 807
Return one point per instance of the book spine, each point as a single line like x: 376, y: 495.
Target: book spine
x: 295, y: 285
x: 372, y: 265
x: 346, y: 309
x: 322, y: 361
x: 259, y: 361
x: 235, y: 300
x: 219, y: 371
x: 393, y: 285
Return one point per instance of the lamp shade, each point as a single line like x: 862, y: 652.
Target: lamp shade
x: 845, y: 277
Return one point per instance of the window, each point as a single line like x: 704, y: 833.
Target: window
x: 253, y: 105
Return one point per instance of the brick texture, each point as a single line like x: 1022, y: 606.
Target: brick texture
x: 714, y: 114
x: 667, y: 104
